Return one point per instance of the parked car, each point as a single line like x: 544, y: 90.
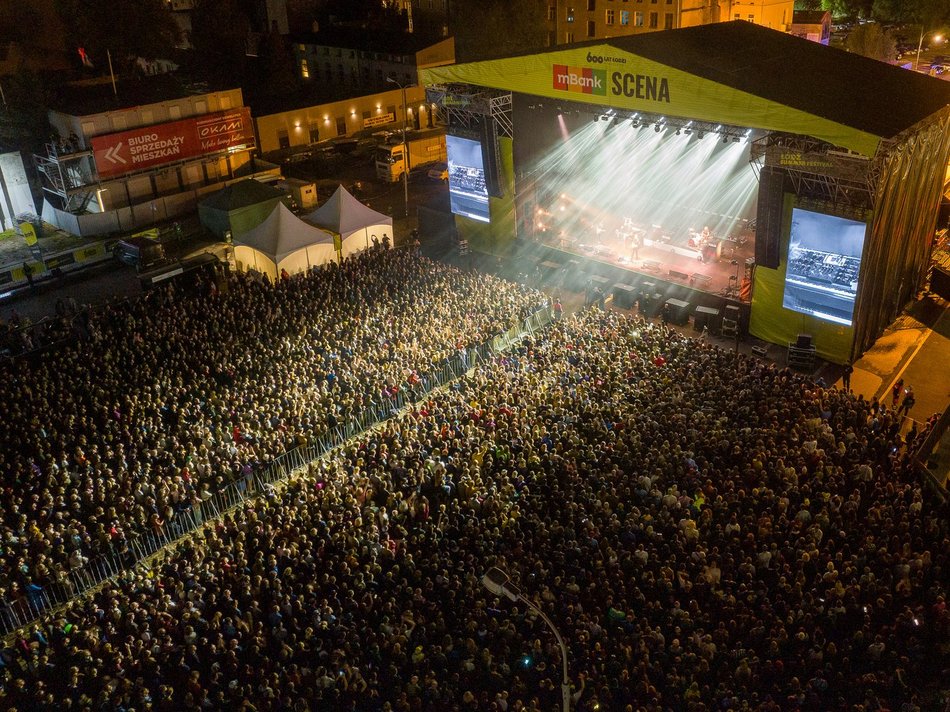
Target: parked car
x: 438, y: 171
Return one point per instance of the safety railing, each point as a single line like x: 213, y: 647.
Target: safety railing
x: 37, y: 600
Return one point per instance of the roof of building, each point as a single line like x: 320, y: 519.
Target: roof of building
x: 96, y: 96
x: 847, y: 88
x: 386, y: 42
x: 241, y: 195
x: 810, y: 17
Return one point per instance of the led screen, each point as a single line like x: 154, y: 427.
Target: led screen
x: 468, y: 193
x: 824, y: 257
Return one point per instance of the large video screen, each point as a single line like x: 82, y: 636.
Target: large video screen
x: 824, y: 259
x: 468, y: 194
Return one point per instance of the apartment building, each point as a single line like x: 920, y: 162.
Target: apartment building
x: 579, y: 20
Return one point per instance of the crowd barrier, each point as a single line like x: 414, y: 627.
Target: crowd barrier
x: 935, y: 481
x: 39, y: 600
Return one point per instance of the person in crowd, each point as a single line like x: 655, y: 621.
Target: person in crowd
x: 741, y: 543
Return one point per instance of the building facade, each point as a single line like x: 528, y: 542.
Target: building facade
x: 358, y: 66
x: 297, y: 128
x: 116, y: 170
x: 579, y: 20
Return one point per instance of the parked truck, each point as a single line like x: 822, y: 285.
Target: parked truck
x: 424, y: 148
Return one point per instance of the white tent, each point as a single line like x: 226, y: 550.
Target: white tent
x: 283, y: 241
x: 354, y: 222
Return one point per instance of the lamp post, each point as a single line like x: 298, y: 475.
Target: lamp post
x: 920, y: 44
x: 498, y: 583
x: 405, y: 145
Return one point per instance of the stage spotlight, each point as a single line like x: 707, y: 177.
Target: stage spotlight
x: 687, y: 131
x: 725, y: 139
x: 678, y: 132
x: 735, y: 139
x: 700, y: 135
x: 657, y: 128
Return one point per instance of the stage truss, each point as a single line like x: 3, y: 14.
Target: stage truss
x: 821, y: 171
x: 467, y: 106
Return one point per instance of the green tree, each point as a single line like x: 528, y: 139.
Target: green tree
x: 24, y: 123
x: 219, y: 37
x: 275, y: 68
x: 870, y: 40
x: 494, y: 28
x: 126, y: 29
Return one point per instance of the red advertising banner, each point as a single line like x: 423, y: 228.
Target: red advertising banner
x: 149, y: 146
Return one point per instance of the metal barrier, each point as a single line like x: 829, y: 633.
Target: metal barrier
x: 926, y: 448
x: 37, y: 600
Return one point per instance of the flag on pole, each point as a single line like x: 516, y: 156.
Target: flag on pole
x: 86, y: 62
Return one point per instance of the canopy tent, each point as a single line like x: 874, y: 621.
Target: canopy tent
x: 354, y: 222
x: 283, y: 242
x: 238, y: 207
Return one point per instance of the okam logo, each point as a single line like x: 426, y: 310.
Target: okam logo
x: 580, y: 79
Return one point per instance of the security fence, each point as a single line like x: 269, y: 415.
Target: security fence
x: 39, y: 599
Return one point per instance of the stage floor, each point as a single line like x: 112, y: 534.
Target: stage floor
x: 675, y: 263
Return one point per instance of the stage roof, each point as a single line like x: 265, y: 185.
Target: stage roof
x: 733, y: 73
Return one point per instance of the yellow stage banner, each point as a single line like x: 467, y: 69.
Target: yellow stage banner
x: 603, y: 75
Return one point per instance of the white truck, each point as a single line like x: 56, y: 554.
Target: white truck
x: 423, y: 147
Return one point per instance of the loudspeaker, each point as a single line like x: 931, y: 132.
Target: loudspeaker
x: 490, y: 158
x: 768, y: 219
x: 804, y: 341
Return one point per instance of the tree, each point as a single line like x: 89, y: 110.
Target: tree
x: 126, y: 29
x: 870, y: 40
x: 275, y: 68
x: 494, y: 28
x: 219, y: 37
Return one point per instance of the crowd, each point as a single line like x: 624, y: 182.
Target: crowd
x: 165, y: 400
x: 708, y: 532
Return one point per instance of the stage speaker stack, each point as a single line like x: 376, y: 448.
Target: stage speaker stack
x: 676, y: 311
x: 706, y: 318
x: 730, y: 321
x: 768, y: 219
x: 625, y: 296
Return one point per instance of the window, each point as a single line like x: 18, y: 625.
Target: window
x: 591, y: 28
x: 283, y: 139
x: 624, y: 17
x: 591, y: 5
x: 751, y: 18
x: 654, y: 20
x: 552, y: 39
x: 314, y: 133
x: 609, y: 19
x: 638, y: 19
x: 668, y: 21
x: 341, y: 126
x: 570, y: 14
x: 569, y: 37
x: 552, y: 12
x: 737, y: 17
x: 304, y: 69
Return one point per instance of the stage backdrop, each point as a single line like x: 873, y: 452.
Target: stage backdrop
x: 772, y: 322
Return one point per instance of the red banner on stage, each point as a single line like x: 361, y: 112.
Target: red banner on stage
x: 149, y: 146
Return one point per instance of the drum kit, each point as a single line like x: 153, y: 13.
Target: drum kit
x: 710, y: 247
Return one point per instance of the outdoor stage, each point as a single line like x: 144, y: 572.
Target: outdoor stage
x: 696, y: 258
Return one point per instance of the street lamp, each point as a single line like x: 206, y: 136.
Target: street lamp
x: 405, y: 146
x: 498, y: 583
x: 937, y: 38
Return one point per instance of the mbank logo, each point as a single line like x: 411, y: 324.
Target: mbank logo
x: 580, y: 79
